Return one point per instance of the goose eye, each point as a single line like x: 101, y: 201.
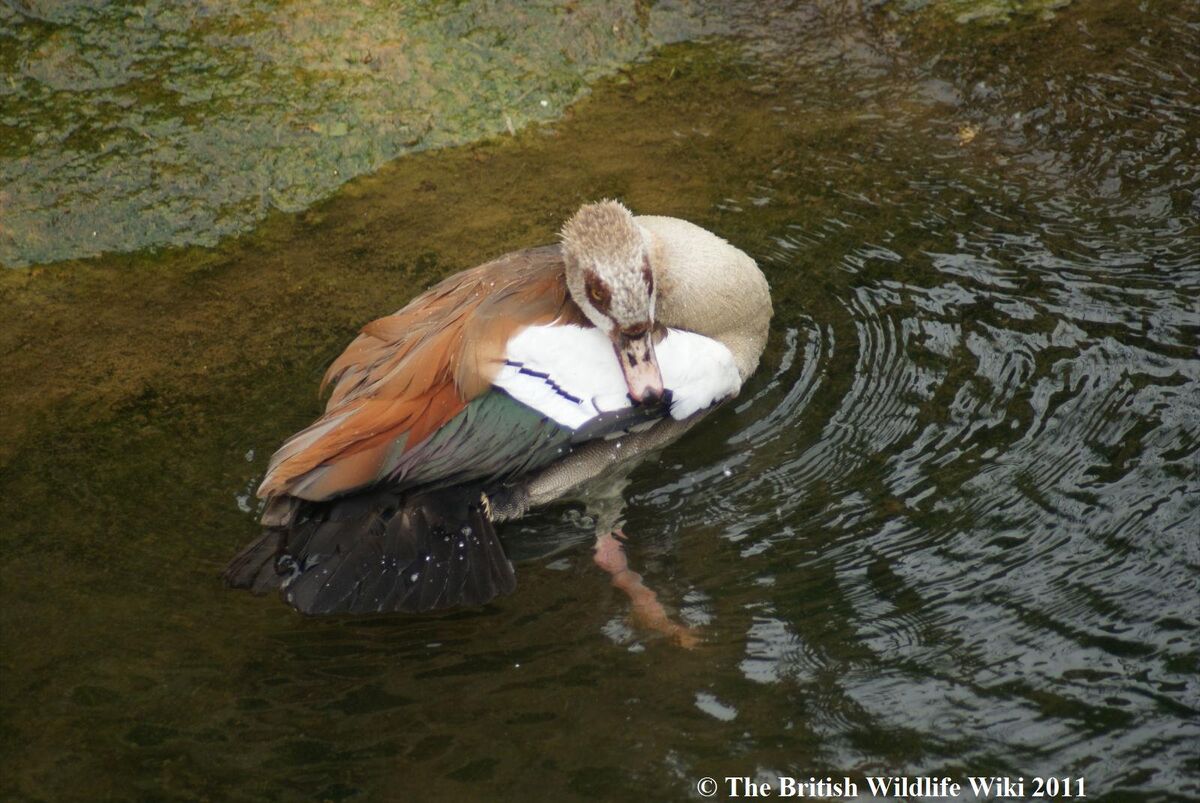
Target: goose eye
x: 598, y: 292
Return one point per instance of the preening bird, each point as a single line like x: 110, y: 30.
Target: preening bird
x: 503, y: 388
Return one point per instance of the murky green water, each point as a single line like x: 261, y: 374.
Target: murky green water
x: 949, y: 528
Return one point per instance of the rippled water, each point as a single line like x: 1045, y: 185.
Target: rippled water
x: 951, y: 527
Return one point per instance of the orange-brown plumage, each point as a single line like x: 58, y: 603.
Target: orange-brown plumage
x: 408, y: 374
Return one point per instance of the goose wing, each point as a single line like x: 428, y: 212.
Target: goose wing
x: 408, y: 375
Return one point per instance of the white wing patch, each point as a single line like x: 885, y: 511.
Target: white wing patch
x: 571, y: 375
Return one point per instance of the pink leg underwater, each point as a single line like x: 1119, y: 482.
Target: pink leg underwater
x: 648, y: 612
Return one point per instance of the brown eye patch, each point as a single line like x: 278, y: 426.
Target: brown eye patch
x: 648, y: 274
x: 598, y: 292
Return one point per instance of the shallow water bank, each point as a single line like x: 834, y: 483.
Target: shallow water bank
x: 133, y: 126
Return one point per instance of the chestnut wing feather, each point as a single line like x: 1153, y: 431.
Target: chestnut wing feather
x: 410, y: 374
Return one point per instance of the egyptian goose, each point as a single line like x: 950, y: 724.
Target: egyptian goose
x: 501, y: 388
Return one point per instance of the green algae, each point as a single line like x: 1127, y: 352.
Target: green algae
x: 131, y: 126
x: 985, y: 12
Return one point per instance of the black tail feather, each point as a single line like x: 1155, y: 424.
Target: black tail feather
x: 379, y: 552
x: 254, y: 566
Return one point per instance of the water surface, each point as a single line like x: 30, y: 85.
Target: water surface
x: 949, y: 528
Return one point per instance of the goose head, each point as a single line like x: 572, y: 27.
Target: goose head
x: 607, y: 259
